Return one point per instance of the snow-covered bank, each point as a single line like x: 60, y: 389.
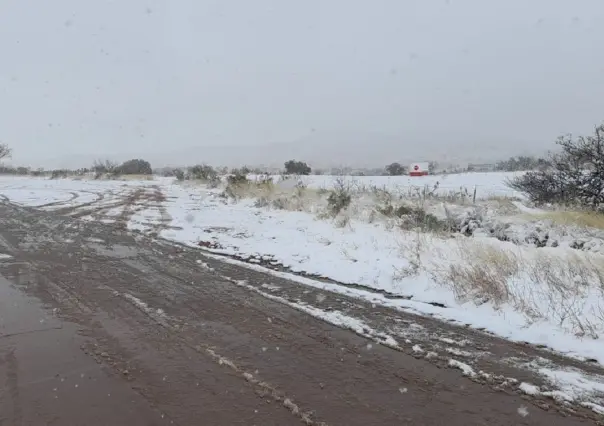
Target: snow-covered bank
x: 550, y: 297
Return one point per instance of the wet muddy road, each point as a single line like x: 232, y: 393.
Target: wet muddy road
x: 99, y: 326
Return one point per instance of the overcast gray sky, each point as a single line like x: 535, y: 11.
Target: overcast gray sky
x: 164, y: 79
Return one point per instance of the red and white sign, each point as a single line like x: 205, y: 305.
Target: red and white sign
x: 419, y: 169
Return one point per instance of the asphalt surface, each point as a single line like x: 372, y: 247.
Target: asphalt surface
x: 99, y: 326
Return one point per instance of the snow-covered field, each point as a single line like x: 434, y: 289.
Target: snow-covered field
x: 486, y: 184
x: 508, y: 269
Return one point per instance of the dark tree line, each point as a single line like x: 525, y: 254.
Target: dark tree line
x: 521, y: 164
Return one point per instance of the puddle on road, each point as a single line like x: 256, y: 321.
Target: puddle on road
x: 20, y: 313
x: 48, y: 378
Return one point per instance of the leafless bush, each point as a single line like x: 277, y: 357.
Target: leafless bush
x: 574, y: 176
x: 179, y: 174
x: 106, y: 167
x: 5, y: 151
x: 60, y: 174
x: 339, y: 197
x: 202, y: 172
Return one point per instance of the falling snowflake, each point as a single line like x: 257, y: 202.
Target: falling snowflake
x: 523, y: 411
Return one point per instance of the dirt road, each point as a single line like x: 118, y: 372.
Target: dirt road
x: 99, y: 326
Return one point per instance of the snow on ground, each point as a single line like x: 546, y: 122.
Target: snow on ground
x: 571, y: 385
x: 550, y: 296
x: 49, y: 194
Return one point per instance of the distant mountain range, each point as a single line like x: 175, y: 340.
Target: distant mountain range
x: 320, y: 151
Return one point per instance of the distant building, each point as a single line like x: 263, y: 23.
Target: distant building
x: 419, y: 169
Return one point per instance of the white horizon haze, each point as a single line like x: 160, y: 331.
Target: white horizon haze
x: 351, y: 82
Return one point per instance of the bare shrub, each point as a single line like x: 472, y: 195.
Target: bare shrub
x: 262, y: 202
x: 339, y: 197
x: 280, y: 203
x: 412, y: 252
x: 5, y: 151
x: 214, y: 182
x: 179, y: 174
x: 573, y: 176
x: 237, y: 179
x: 106, y: 167
x: 342, y: 221
x: 59, y: 174
x: 202, y: 172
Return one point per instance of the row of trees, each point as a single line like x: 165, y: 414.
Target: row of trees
x: 397, y: 169
x: 393, y: 169
x: 521, y: 164
x: 573, y: 175
x: 135, y: 166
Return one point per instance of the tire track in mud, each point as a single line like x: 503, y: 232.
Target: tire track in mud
x: 74, y: 196
x: 131, y: 202
x: 159, y: 198
x: 126, y: 200
x: 12, y: 385
x: 74, y: 211
x: 141, y: 200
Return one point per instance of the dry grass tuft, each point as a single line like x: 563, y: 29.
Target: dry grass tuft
x: 135, y: 177
x: 483, y: 273
x: 116, y: 177
x: 273, y: 195
x: 586, y: 219
x: 536, y: 283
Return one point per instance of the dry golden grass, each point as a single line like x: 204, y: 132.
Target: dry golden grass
x: 120, y: 177
x: 271, y: 194
x: 502, y: 198
x: 135, y: 177
x: 483, y: 272
x: 586, y: 219
x: 535, y: 282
